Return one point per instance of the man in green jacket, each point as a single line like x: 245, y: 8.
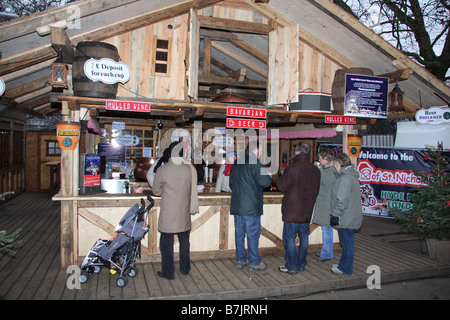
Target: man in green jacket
x: 248, y: 178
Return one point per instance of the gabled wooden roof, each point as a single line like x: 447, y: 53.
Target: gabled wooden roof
x: 26, y: 56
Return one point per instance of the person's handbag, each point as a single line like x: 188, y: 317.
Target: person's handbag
x: 334, y: 220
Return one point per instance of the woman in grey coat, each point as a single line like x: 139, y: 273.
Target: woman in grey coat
x: 322, y: 209
x: 346, y: 205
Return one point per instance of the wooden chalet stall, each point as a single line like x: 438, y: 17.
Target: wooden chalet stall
x: 185, y: 59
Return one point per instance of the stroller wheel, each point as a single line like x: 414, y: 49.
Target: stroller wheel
x: 97, y: 269
x: 121, y: 282
x: 133, y: 272
x: 84, y: 276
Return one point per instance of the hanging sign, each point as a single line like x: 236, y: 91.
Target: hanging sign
x: 246, y: 112
x: 2, y: 86
x: 246, y: 123
x: 134, y: 106
x: 68, y: 135
x: 366, y: 96
x: 433, y: 115
x: 338, y: 119
x: 106, y: 70
x: 127, y: 140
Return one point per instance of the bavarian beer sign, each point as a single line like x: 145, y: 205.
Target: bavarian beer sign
x: 246, y: 123
x: 250, y: 118
x: 246, y: 112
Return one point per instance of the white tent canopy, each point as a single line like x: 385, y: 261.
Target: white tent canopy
x: 420, y: 135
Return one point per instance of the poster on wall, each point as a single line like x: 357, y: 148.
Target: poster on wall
x: 366, y: 96
x: 91, y: 176
x: 386, y: 178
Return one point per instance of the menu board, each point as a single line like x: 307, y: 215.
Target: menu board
x: 366, y: 96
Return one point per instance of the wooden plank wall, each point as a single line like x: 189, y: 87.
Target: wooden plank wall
x: 136, y: 50
x: 316, y: 71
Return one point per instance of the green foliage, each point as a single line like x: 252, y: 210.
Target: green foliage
x: 8, y: 241
x: 430, y: 215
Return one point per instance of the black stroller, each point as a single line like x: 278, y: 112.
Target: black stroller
x: 120, y: 252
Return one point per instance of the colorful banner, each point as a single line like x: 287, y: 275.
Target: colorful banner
x: 386, y: 178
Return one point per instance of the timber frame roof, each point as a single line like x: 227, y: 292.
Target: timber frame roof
x: 26, y: 56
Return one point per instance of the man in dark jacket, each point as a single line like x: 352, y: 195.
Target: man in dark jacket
x: 300, y: 184
x: 248, y: 178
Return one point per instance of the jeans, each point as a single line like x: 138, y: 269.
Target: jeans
x: 327, y: 239
x: 295, y: 260
x: 347, y: 240
x: 166, y: 247
x: 250, y: 226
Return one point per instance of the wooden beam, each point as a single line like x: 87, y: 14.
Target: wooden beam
x: 19, y: 107
x: 251, y: 50
x: 233, y: 25
x: 26, y: 60
x: 18, y: 91
x: 61, y: 43
x: 251, y: 84
x: 238, y: 58
x: 46, y: 52
x: 398, y: 75
x: 305, y: 36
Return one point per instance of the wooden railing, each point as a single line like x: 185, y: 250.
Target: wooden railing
x: 12, y: 179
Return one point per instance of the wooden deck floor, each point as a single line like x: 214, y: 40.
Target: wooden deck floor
x: 34, y: 272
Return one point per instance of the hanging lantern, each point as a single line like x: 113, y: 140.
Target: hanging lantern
x: 59, y: 73
x: 396, y: 98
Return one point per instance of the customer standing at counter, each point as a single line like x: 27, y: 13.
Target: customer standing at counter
x: 346, y: 206
x: 248, y: 178
x: 176, y: 183
x: 322, y: 210
x: 300, y: 184
x: 160, y: 162
x: 223, y: 178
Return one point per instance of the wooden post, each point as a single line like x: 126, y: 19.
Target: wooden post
x: 223, y: 232
x: 69, y: 187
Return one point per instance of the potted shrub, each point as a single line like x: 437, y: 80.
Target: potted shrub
x: 429, y: 217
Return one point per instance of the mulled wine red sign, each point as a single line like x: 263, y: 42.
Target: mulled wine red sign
x: 133, y: 106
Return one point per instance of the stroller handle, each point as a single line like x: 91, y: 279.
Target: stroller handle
x: 152, y: 202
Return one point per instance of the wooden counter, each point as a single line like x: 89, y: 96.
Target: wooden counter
x: 95, y: 217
